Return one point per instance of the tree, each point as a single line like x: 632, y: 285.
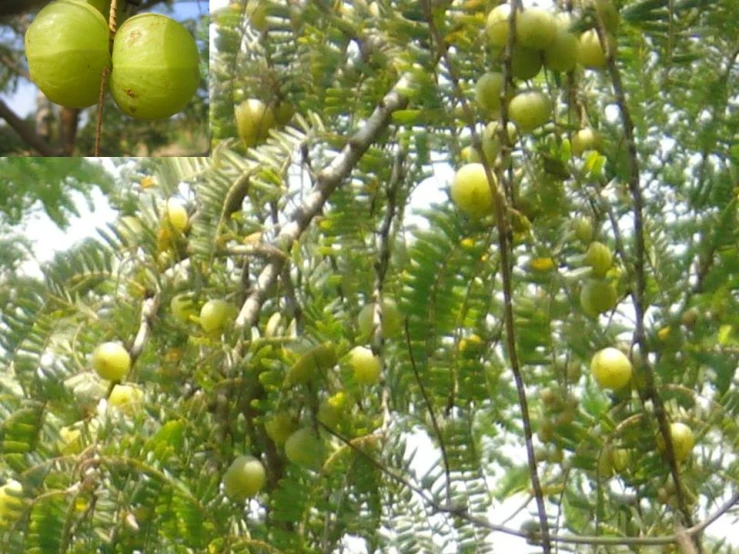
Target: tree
x: 300, y: 226
x: 52, y: 130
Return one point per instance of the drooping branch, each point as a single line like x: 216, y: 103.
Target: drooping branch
x: 327, y: 180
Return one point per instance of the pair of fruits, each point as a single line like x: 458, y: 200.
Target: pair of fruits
x: 154, y: 62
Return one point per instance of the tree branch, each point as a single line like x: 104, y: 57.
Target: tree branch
x: 327, y: 181
x: 27, y: 132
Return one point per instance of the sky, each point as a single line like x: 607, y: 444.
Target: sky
x: 23, y: 100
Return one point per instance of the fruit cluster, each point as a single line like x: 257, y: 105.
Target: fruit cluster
x: 154, y: 62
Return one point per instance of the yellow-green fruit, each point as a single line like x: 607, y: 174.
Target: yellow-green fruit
x: 176, y: 215
x: 583, y: 229
x: 183, y: 307
x: 279, y: 427
x: 392, y: 321
x: 590, y: 53
x: 11, y: 501
x: 607, y: 13
x: 284, y: 112
x: 469, y: 155
x: 318, y: 359
x: 215, y: 315
x: 254, y: 119
x: 305, y: 448
x: 496, y: 25
x: 529, y: 110
x: 682, y: 441
x: 111, y: 361
x: 584, y: 140
x: 155, y: 67
x: 611, y: 368
x: 244, y: 478
x: 366, y: 365
x: 525, y: 63
x: 599, y: 257
x: 598, y: 296
x: 487, y: 90
x: 331, y: 409
x: 67, y: 49
x: 535, y: 28
x: 471, y: 191
x: 126, y: 398
x: 613, y: 460
x: 561, y: 54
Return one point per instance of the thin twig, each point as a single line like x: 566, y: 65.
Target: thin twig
x: 504, y: 244
x: 638, y: 295
x: 26, y: 132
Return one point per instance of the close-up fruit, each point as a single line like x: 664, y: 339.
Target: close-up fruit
x: 315, y: 361
x: 111, y: 361
x: 590, y: 53
x: 254, y: 119
x: 599, y: 258
x: 584, y: 140
x: 155, y: 67
x: 305, y: 448
x: 561, y: 53
x: 535, y: 28
x: 244, y: 478
x: 176, y: 215
x: 682, y: 439
x: 392, y: 320
x: 366, y: 365
x: 471, y: 191
x: 611, y: 368
x: 67, y: 49
x: 216, y: 314
x: 529, y: 110
x: 487, y: 90
x: 598, y: 296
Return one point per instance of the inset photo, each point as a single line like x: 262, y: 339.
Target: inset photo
x: 106, y: 78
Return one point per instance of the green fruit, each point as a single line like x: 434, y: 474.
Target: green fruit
x: 529, y: 110
x: 392, y: 321
x: 182, y: 307
x: 525, y: 63
x: 111, y: 361
x: 584, y: 140
x: 496, y: 25
x: 598, y: 296
x: 366, y: 366
x: 583, y: 229
x: 599, y: 257
x: 611, y: 368
x: 176, y: 215
x: 535, y: 28
x: 682, y: 441
x: 279, y: 427
x: 488, y: 89
x: 244, y: 478
x: 613, y: 460
x: 320, y: 358
x: 126, y: 398
x: 155, y: 67
x: 254, y: 119
x: 471, y: 191
x: 331, y: 409
x: 590, y: 53
x: 469, y: 155
x: 215, y: 315
x: 607, y: 13
x: 305, y: 448
x: 67, y: 50
x: 561, y: 54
